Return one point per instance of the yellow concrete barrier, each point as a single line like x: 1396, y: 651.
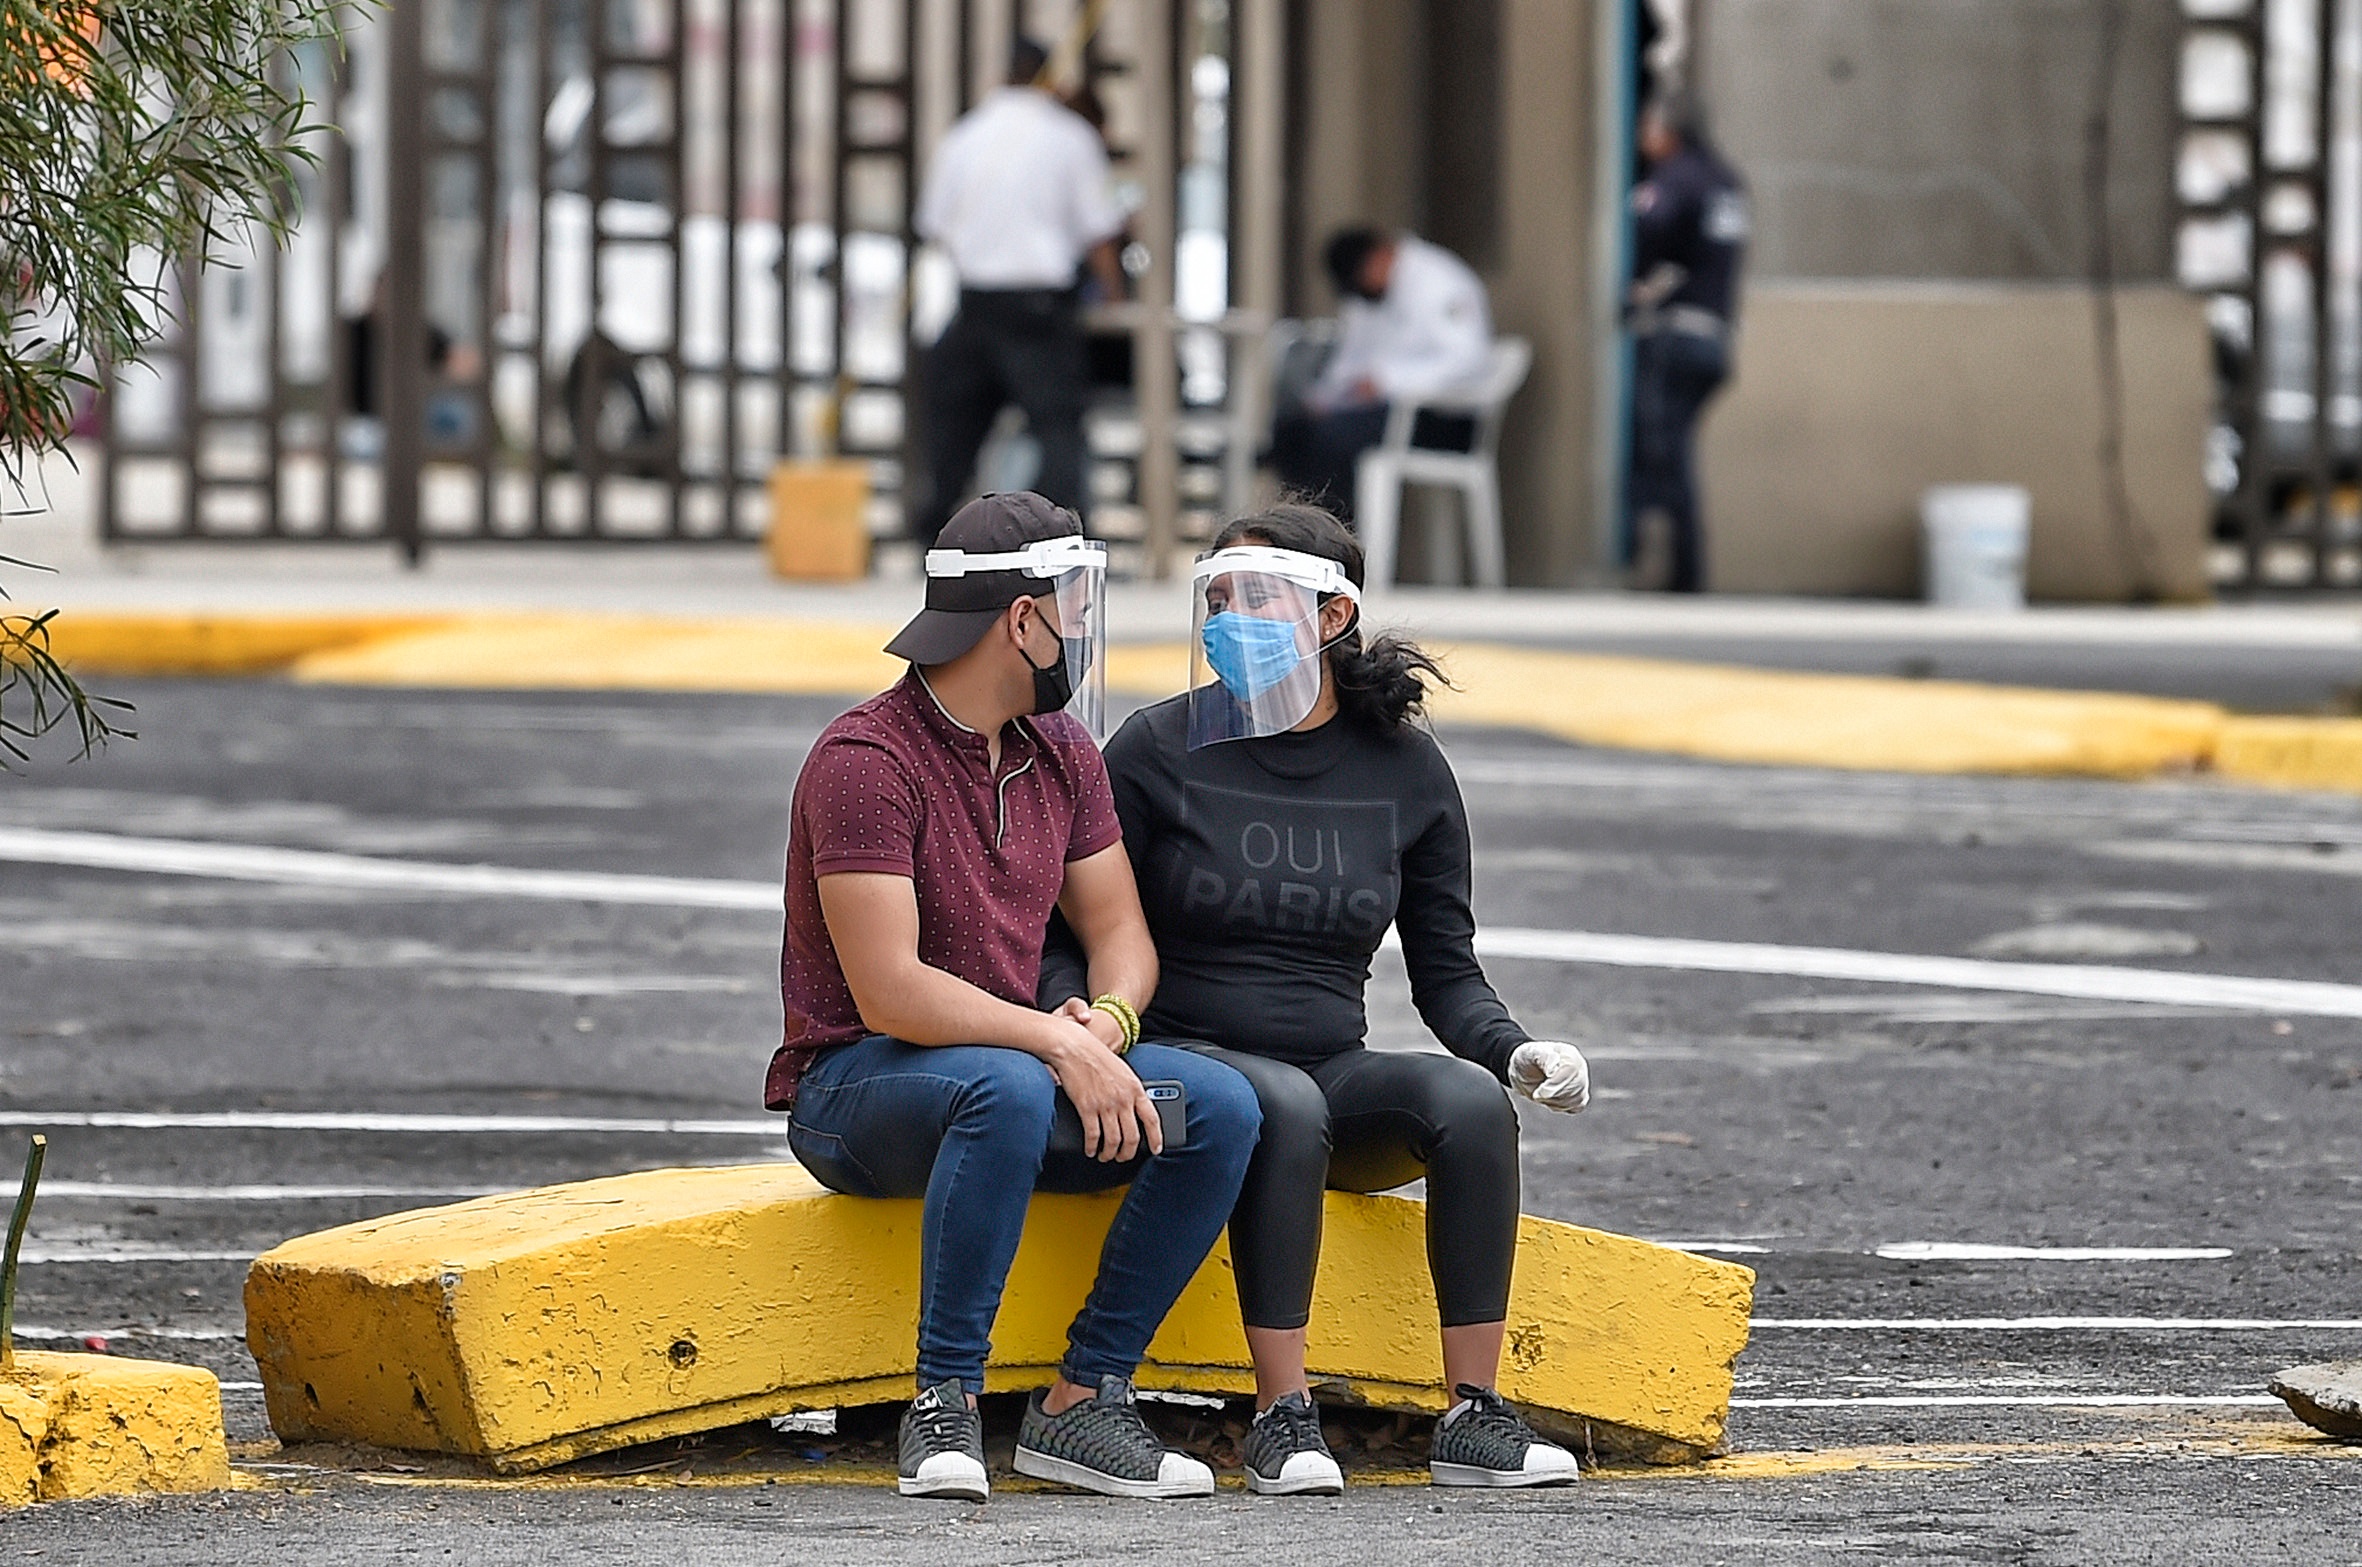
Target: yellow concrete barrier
x: 95, y: 1425
x: 542, y: 1326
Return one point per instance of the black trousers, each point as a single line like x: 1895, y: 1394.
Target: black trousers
x: 1022, y: 346
x: 1673, y: 376
x: 1316, y: 453
x: 1363, y: 1121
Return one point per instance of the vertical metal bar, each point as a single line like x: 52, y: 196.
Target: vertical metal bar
x: 191, y: 435
x: 268, y: 284
x: 539, y: 44
x: 110, y: 518
x: 2254, y: 499
x: 590, y: 459
x: 676, y: 431
x: 402, y: 332
x: 1156, y: 372
x: 2323, y: 372
x: 839, y: 121
x: 335, y: 198
x: 1258, y: 98
x: 906, y: 161
x: 486, y: 90
x: 733, y: 48
x: 791, y: 143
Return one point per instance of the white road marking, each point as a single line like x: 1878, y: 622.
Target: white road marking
x: 2093, y: 982
x: 1969, y: 1251
x: 161, y: 1335
x: 370, y: 1121
x: 2170, y: 987
x: 134, y: 1191
x: 2064, y: 1324
x: 2002, y: 1400
x: 109, y: 1256
x: 308, y: 867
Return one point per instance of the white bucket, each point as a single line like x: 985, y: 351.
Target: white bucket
x: 1976, y: 545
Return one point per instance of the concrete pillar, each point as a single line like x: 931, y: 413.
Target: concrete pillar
x: 1371, y: 125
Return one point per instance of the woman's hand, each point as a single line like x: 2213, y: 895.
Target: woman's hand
x: 1552, y: 1074
x: 1107, y: 1093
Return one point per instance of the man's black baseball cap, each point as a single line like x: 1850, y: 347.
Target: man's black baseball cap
x: 960, y: 609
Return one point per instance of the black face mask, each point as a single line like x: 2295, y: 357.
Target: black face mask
x: 1053, y: 684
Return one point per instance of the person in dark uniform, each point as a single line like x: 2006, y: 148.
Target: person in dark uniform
x: 1689, y: 219
x: 1018, y: 196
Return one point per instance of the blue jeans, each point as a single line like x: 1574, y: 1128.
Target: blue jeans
x: 968, y: 1127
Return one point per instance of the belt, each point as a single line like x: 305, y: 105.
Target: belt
x: 1032, y: 296
x: 1688, y: 320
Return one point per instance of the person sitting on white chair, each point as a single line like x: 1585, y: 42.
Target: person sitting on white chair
x: 1412, y: 322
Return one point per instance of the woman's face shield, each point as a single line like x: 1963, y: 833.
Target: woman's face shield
x: 1255, y: 644
x: 1075, y: 607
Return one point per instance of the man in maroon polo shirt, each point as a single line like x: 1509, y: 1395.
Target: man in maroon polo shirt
x: 935, y: 828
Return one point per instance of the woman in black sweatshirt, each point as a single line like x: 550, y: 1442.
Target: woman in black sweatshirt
x: 1279, y: 819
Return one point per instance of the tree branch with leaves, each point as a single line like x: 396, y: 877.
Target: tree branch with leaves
x: 133, y: 133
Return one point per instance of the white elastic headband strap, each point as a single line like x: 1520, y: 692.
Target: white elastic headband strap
x: 1317, y: 572
x: 1049, y: 558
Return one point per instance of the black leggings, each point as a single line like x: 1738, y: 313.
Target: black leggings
x: 1363, y: 1121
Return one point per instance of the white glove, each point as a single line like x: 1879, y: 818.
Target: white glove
x: 1552, y: 1074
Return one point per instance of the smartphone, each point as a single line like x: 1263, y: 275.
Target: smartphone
x: 1172, y: 1111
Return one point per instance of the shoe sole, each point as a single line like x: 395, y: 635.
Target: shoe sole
x: 1494, y: 1479
x: 1041, y: 1466
x: 1311, y: 1485
x: 955, y: 1490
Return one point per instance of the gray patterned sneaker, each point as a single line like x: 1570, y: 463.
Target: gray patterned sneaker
x: 1489, y: 1443
x: 943, y: 1446
x: 1286, y: 1455
x: 1103, y: 1445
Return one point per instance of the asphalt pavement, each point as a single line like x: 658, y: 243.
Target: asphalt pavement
x: 2025, y: 1260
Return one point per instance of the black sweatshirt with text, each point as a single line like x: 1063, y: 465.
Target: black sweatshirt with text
x: 1270, y: 870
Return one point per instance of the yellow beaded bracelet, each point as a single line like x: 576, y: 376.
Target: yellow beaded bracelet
x: 1125, y: 1017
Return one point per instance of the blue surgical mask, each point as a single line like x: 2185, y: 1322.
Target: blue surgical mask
x: 1250, y: 654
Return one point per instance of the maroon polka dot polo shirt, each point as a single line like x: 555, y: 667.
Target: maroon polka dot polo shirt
x: 899, y: 787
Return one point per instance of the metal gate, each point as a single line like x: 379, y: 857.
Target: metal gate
x: 2269, y: 177
x: 578, y: 216
x: 639, y: 250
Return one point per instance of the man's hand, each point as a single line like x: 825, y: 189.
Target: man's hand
x: 1103, y: 1027
x: 1114, y: 1106
x: 1552, y: 1074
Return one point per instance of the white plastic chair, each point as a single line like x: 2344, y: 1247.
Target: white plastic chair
x: 1394, y: 462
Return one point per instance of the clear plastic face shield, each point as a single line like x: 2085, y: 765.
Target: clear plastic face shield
x: 1255, y: 644
x: 1075, y: 608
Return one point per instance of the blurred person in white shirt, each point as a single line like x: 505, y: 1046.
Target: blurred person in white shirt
x: 1412, y: 322
x: 1018, y: 196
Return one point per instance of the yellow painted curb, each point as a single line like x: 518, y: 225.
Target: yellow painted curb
x: 2292, y: 753
x: 542, y: 1326
x: 96, y: 1425
x: 618, y: 653
x: 1788, y: 718
x: 104, y: 644
x: 1719, y: 712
